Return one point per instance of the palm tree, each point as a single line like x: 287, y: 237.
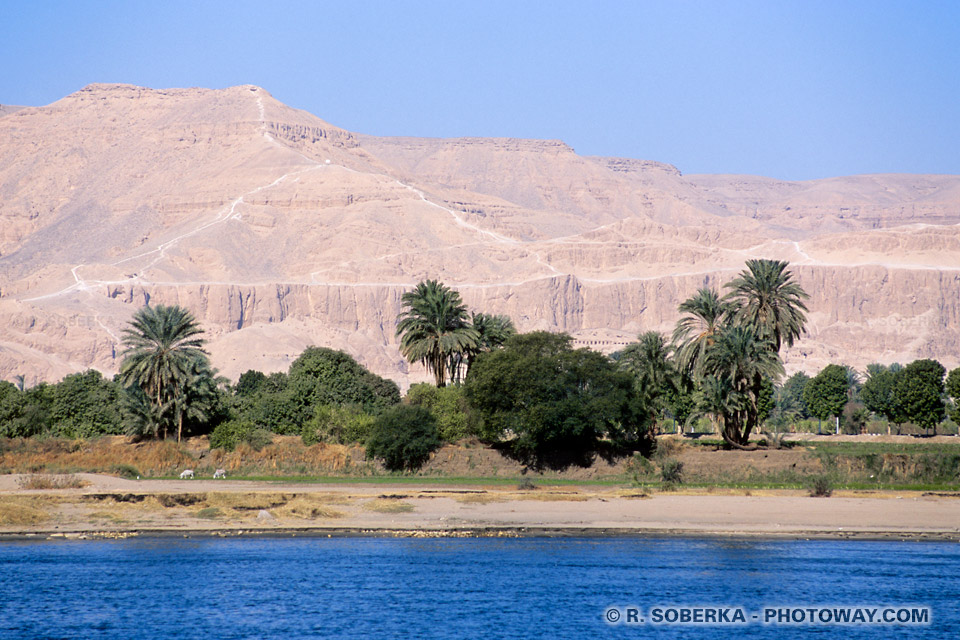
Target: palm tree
x: 198, y: 393
x: 654, y: 373
x: 705, y: 316
x: 768, y: 299
x: 162, y: 344
x: 492, y: 332
x: 740, y: 360
x: 433, y: 327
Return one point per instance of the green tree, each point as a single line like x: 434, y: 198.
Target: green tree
x: 161, y: 346
x: 741, y: 362
x: 549, y: 404
x: 767, y: 298
x: 433, y: 328
x: 952, y: 389
x: 448, y: 406
x: 649, y: 362
x: 879, y: 395
x: 403, y: 436
x: 86, y: 405
x: 705, y: 315
x: 826, y: 393
x: 324, y: 376
x: 920, y: 393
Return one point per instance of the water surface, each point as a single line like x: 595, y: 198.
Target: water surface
x: 270, y: 588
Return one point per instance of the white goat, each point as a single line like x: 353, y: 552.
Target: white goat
x: 220, y: 473
x: 187, y: 473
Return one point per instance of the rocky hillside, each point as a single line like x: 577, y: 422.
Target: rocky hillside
x: 279, y: 230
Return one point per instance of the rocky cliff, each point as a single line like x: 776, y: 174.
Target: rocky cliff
x: 279, y: 230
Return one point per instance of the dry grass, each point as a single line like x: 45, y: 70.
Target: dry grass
x: 540, y: 496
x: 479, y: 498
x: 46, y: 481
x: 307, y: 507
x: 388, y: 505
x: 22, y: 510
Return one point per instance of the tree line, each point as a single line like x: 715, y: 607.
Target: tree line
x: 532, y: 395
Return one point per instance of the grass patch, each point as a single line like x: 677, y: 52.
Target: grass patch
x: 21, y: 511
x: 210, y: 513
x: 307, y: 507
x: 388, y: 505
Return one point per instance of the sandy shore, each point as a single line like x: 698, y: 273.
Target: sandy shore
x: 114, y: 507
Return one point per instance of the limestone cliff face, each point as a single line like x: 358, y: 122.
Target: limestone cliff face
x: 279, y: 230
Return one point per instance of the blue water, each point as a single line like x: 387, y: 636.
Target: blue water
x: 457, y: 588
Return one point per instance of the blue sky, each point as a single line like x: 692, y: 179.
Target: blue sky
x: 793, y: 90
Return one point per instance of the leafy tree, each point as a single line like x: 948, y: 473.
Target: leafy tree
x: 655, y: 376
x: 250, y: 382
x: 879, y: 395
x: 161, y: 346
x: 920, y: 393
x: 705, y: 316
x: 12, y: 401
x: 448, y: 406
x: 324, y: 376
x: 273, y: 404
x: 550, y: 404
x: 85, y: 405
x: 952, y: 388
x: 769, y: 300
x: 680, y: 401
x: 826, y: 393
x: 433, y: 328
x: 403, y: 436
x: 793, y: 393
x: 740, y: 361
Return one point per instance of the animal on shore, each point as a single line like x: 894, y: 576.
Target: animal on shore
x: 220, y: 473
x: 187, y: 473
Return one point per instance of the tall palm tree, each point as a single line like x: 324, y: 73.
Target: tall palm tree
x: 654, y: 372
x: 696, y: 331
x: 769, y: 300
x: 741, y: 360
x: 162, y: 344
x: 433, y: 327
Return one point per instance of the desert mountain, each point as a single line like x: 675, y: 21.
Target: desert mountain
x: 279, y: 230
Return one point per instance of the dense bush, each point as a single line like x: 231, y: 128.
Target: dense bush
x: 403, y: 437
x: 448, y: 406
x: 228, y: 434
x: 345, y: 424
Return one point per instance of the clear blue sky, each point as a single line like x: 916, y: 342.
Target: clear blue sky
x: 793, y: 90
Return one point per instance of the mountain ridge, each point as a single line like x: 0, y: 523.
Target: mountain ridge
x: 281, y: 230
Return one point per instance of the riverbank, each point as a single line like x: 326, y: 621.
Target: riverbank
x: 107, y: 506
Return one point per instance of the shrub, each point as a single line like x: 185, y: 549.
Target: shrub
x: 338, y: 425
x: 126, y: 471
x: 820, y: 487
x: 227, y: 435
x: 403, y: 437
x: 448, y: 406
x: 671, y: 471
x: 258, y: 438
